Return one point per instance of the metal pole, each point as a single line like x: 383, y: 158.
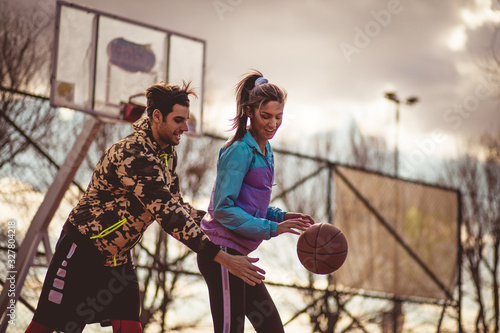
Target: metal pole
x: 397, y: 305
x: 43, y: 216
x: 329, y: 195
x: 396, y: 148
x: 397, y: 308
x: 459, y: 262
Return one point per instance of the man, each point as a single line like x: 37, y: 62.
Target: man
x: 91, y: 277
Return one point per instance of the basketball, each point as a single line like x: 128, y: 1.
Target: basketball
x: 322, y: 248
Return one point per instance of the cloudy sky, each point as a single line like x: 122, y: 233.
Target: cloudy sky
x: 337, y: 58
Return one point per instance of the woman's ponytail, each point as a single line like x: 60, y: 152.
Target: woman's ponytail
x: 243, y: 89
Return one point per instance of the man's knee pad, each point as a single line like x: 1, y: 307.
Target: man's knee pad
x: 35, y: 327
x: 126, y: 326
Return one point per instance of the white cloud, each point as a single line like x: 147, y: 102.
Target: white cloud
x: 422, y: 48
x: 482, y: 13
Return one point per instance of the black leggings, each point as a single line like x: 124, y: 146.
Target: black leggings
x: 231, y: 300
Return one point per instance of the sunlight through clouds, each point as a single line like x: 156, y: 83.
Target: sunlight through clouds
x: 457, y: 39
x: 483, y: 14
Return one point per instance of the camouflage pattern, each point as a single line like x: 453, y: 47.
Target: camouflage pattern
x: 134, y: 184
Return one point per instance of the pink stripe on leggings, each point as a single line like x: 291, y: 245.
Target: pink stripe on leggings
x: 226, y: 296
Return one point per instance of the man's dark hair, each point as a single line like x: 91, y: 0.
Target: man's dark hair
x: 164, y: 96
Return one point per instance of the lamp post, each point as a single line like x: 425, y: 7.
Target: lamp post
x: 392, y: 96
x: 397, y: 314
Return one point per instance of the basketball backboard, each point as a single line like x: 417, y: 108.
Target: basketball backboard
x: 102, y: 61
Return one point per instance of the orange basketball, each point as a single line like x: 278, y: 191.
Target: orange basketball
x: 322, y: 248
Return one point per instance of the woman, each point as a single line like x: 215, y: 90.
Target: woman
x: 239, y: 216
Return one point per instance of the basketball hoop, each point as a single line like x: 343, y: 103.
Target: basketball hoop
x: 131, y: 111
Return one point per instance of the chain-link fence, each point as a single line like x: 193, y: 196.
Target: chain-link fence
x: 378, y: 288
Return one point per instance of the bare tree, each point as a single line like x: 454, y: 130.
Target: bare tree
x: 198, y: 160
x: 481, y: 209
x: 24, y: 67
x: 302, y: 184
x: 368, y: 152
x: 491, y: 217
x: 479, y: 182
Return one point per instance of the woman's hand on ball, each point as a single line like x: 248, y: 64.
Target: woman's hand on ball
x: 292, y: 215
x: 294, y: 225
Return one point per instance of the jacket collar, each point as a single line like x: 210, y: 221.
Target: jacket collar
x: 143, y: 128
x: 249, y: 140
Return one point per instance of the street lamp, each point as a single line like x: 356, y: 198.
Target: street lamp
x: 397, y: 311
x: 392, y: 96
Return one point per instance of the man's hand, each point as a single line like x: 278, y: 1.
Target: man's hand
x: 242, y: 267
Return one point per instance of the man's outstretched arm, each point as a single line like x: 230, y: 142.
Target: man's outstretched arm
x: 242, y: 267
